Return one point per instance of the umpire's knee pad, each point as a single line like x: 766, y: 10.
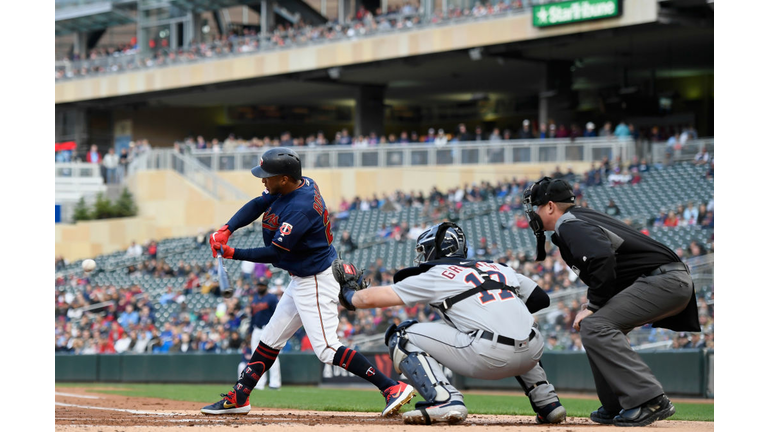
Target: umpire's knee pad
x: 594, y: 328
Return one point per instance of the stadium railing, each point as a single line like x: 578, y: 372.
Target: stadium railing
x: 686, y: 153
x: 561, y: 150
x: 281, y: 40
x: 190, y: 168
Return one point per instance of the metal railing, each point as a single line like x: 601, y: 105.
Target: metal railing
x: 77, y: 170
x: 331, y: 32
x: 418, y: 155
x: 197, y: 173
x: 665, y: 153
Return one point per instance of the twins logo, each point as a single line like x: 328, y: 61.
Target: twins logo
x: 370, y: 372
x: 286, y: 228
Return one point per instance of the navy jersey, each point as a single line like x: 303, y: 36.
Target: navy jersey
x: 262, y: 308
x: 297, y: 224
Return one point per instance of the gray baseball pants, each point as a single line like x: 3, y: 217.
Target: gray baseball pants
x: 469, y: 355
x: 622, y: 379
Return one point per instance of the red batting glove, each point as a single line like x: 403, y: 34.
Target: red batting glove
x: 220, y: 236
x: 226, y: 251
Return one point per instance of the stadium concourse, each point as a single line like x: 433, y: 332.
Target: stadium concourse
x: 163, y: 296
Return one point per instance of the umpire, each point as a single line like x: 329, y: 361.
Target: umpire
x: 633, y: 280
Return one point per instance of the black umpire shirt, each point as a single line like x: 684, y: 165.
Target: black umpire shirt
x: 609, y: 256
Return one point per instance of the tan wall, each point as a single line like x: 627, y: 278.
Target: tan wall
x: 396, y: 45
x: 170, y: 206
x: 364, y: 182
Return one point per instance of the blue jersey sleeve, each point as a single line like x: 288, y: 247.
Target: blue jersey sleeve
x: 251, y: 211
x: 291, y: 231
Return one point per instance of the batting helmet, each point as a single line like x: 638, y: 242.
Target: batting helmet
x: 278, y: 161
x: 441, y: 241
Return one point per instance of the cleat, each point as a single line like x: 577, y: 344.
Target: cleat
x: 655, y: 409
x: 452, y: 412
x: 229, y: 405
x: 397, y: 396
x: 602, y: 416
x: 551, y: 413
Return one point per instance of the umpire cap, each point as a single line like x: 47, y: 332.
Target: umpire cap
x: 548, y: 189
x: 278, y: 161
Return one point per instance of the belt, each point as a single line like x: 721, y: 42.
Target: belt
x: 503, y: 339
x: 666, y: 268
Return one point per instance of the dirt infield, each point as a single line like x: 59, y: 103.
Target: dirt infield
x: 78, y: 410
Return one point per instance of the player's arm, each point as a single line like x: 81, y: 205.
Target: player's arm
x: 534, y: 297
x: 267, y: 254
x: 246, y: 215
x: 599, y: 259
x: 376, y: 297
x: 250, y: 211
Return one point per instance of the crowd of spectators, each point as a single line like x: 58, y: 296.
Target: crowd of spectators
x: 440, y: 137
x: 107, y: 319
x: 113, y: 164
x: 104, y: 319
x: 362, y: 22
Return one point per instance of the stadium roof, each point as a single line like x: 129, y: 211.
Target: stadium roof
x: 89, y: 15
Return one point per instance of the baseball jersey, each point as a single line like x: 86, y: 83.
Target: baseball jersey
x: 262, y: 308
x: 297, y: 223
x: 498, y: 311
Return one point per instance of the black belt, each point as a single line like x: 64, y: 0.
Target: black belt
x: 503, y: 339
x: 666, y: 268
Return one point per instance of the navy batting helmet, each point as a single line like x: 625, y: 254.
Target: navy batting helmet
x: 278, y: 161
x: 440, y: 241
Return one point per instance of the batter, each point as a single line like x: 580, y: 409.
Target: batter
x: 298, y: 239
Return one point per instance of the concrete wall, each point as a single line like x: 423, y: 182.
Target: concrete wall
x: 170, y: 206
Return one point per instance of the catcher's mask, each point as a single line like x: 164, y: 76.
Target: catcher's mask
x: 540, y: 193
x: 440, y: 241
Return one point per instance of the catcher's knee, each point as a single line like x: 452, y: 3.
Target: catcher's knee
x: 395, y: 338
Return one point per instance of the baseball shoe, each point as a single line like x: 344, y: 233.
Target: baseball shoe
x: 451, y: 412
x: 657, y: 408
x: 551, y: 413
x: 602, y: 416
x: 234, y: 402
x: 397, y: 396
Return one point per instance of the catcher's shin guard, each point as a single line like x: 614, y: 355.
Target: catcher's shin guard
x: 427, y: 377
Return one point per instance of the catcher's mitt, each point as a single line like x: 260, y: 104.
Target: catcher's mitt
x: 350, y: 279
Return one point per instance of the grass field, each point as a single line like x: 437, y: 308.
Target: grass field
x: 333, y: 399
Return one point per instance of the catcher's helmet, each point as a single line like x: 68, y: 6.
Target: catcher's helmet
x: 278, y: 161
x: 441, y: 241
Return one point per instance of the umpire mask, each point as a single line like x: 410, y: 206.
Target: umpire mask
x: 540, y: 193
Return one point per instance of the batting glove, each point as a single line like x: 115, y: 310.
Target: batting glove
x: 226, y: 251
x: 220, y: 236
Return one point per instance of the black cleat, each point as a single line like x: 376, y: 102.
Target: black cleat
x: 655, y: 409
x: 602, y: 416
x: 551, y: 413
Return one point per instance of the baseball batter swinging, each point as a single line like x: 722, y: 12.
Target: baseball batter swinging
x: 487, y: 330
x: 298, y: 239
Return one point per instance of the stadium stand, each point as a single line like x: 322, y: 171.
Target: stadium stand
x: 173, y: 280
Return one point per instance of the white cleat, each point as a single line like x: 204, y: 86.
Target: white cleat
x: 451, y: 412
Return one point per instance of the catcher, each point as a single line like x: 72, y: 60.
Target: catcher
x: 487, y: 330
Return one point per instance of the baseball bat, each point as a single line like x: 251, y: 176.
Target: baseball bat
x: 226, y: 290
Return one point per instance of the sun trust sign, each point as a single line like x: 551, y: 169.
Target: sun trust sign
x: 568, y: 12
